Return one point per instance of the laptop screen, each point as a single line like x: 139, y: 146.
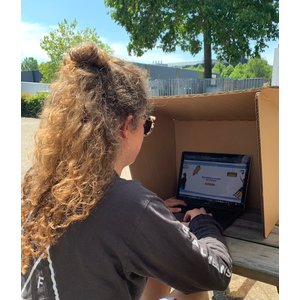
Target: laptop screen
x: 213, y: 178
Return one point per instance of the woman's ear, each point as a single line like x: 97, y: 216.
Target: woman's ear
x: 126, y: 126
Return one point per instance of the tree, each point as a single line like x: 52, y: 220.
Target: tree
x: 226, y: 72
x: 239, y: 72
x: 255, y: 68
x: 218, y: 68
x: 29, y: 64
x: 258, y: 68
x: 198, y: 68
x: 227, y: 26
x: 60, y: 40
x: 48, y: 70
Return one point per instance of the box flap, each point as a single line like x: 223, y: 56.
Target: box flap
x: 235, y: 105
x: 155, y: 165
x: 267, y: 107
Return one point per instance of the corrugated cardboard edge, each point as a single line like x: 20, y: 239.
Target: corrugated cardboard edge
x: 267, y: 110
x: 191, y: 96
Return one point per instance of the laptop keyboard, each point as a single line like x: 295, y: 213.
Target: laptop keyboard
x: 225, y: 218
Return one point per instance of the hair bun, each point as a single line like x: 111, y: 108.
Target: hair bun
x: 88, y: 54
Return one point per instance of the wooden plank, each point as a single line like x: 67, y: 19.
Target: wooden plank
x: 249, y: 228
x: 254, y: 260
x: 251, y: 231
x: 252, y: 214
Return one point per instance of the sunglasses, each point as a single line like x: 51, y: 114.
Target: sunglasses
x: 149, y: 125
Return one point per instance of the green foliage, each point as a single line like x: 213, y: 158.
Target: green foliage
x: 29, y: 64
x: 239, y: 72
x: 258, y: 68
x: 199, y: 69
x: 48, y: 70
x: 227, y: 26
x: 31, y: 105
x: 255, y: 68
x: 227, y: 71
x: 218, y: 68
x: 60, y: 40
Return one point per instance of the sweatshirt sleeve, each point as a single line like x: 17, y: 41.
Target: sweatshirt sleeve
x: 189, y: 259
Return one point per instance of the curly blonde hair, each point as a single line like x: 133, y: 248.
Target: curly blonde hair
x: 76, y: 143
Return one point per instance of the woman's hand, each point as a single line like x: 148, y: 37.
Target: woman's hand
x: 191, y: 214
x: 171, y: 202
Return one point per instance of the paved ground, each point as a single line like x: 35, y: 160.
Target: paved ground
x: 239, y: 288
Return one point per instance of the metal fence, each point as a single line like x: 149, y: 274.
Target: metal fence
x: 168, y: 87
x: 198, y: 86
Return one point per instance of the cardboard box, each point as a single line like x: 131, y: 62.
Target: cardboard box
x: 244, y: 122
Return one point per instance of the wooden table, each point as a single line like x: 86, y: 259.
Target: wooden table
x: 254, y: 256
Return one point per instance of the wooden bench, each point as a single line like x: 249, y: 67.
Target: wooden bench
x: 254, y: 256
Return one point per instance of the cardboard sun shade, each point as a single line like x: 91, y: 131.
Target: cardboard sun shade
x: 242, y: 122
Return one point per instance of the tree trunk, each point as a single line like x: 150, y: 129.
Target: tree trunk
x: 207, y: 56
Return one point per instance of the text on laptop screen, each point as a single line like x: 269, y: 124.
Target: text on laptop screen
x: 212, y: 180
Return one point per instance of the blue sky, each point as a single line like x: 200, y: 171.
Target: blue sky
x: 38, y: 17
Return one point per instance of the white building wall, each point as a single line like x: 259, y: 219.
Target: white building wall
x: 275, y: 72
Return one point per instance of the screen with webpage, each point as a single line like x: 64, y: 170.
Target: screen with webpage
x: 212, y: 180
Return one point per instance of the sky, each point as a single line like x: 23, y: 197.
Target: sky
x: 39, y: 17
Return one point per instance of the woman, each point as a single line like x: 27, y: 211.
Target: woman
x: 87, y: 233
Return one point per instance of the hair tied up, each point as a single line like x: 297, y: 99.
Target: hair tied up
x: 89, y: 55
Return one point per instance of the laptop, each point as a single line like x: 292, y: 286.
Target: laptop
x: 218, y: 182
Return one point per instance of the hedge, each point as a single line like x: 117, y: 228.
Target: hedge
x: 31, y: 105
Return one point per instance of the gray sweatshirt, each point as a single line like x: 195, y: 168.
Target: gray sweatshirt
x: 130, y: 235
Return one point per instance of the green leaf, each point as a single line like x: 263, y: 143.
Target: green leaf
x: 29, y: 64
x: 58, y: 42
